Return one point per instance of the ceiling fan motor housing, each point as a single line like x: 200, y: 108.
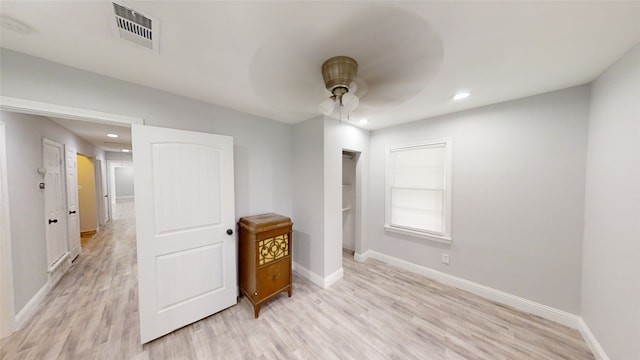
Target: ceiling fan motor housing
x: 339, y: 72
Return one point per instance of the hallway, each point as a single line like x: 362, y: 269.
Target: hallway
x: 92, y: 311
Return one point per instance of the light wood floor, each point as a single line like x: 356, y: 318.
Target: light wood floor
x: 375, y: 312
x: 85, y: 237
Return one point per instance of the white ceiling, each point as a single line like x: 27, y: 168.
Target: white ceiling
x: 264, y: 58
x: 96, y: 133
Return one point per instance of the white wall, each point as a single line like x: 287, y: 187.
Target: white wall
x: 611, y: 258
x: 262, y: 148
x: 518, y: 193
x: 24, y: 156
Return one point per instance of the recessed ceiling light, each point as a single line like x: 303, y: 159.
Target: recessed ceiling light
x: 112, y: 135
x: 461, y: 95
x: 126, y: 150
x: 363, y: 122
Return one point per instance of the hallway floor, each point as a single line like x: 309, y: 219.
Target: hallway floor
x: 375, y: 312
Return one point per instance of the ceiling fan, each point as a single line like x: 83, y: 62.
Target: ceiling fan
x: 388, y: 57
x: 339, y: 75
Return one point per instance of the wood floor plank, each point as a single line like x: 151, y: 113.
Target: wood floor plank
x: 375, y: 312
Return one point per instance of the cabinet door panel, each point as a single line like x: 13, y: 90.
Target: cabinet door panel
x: 273, y: 278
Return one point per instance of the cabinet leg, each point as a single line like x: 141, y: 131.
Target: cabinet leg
x: 256, y: 310
x: 290, y: 290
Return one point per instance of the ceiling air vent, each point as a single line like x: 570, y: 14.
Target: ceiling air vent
x: 135, y: 27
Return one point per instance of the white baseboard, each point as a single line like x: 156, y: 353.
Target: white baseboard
x: 361, y: 257
x: 27, y: 312
x: 502, y: 297
x: 317, y: 279
x: 308, y: 274
x: 591, y: 340
x: 333, y: 278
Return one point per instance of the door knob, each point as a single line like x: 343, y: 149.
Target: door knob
x: 55, y: 221
x: 229, y: 232
x: 72, y: 212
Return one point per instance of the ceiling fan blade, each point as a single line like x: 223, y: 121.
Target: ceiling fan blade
x: 394, y: 66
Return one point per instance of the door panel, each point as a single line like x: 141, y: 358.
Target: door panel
x: 190, y: 262
x: 73, y: 213
x: 184, y: 204
x: 191, y: 174
x: 55, y: 207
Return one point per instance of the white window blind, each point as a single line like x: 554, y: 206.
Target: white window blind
x: 418, y: 191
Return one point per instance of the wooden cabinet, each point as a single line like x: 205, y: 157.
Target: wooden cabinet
x: 265, y: 258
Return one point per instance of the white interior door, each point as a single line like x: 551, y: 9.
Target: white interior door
x: 73, y: 215
x: 7, y: 305
x: 54, y: 204
x: 184, y: 203
x: 105, y: 197
x: 99, y: 192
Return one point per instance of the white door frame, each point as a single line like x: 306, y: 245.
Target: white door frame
x: 7, y: 306
x: 25, y: 106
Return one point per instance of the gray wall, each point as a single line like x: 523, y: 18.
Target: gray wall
x: 124, y: 181
x: 518, y: 193
x: 339, y: 136
x: 26, y: 201
x: 262, y: 148
x: 118, y: 156
x: 611, y: 260
x: 308, y: 193
x: 317, y: 190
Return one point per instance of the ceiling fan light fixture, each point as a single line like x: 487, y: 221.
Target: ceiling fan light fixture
x: 326, y: 107
x: 350, y: 102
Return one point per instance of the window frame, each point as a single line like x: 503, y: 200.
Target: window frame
x: 441, y: 237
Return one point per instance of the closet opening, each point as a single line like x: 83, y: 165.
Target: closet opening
x: 349, y: 203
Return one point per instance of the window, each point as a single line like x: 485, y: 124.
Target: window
x: 418, y: 198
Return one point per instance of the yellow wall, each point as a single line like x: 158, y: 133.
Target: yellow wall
x: 87, y: 194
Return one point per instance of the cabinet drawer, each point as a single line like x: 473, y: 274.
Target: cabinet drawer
x: 273, y: 277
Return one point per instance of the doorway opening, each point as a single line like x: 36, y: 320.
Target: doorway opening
x: 32, y: 175
x: 121, y: 188
x: 87, y: 198
x: 349, y: 201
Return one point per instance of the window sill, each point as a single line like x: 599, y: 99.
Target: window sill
x: 418, y: 234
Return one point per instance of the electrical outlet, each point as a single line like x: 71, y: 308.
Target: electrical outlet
x: 445, y: 259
